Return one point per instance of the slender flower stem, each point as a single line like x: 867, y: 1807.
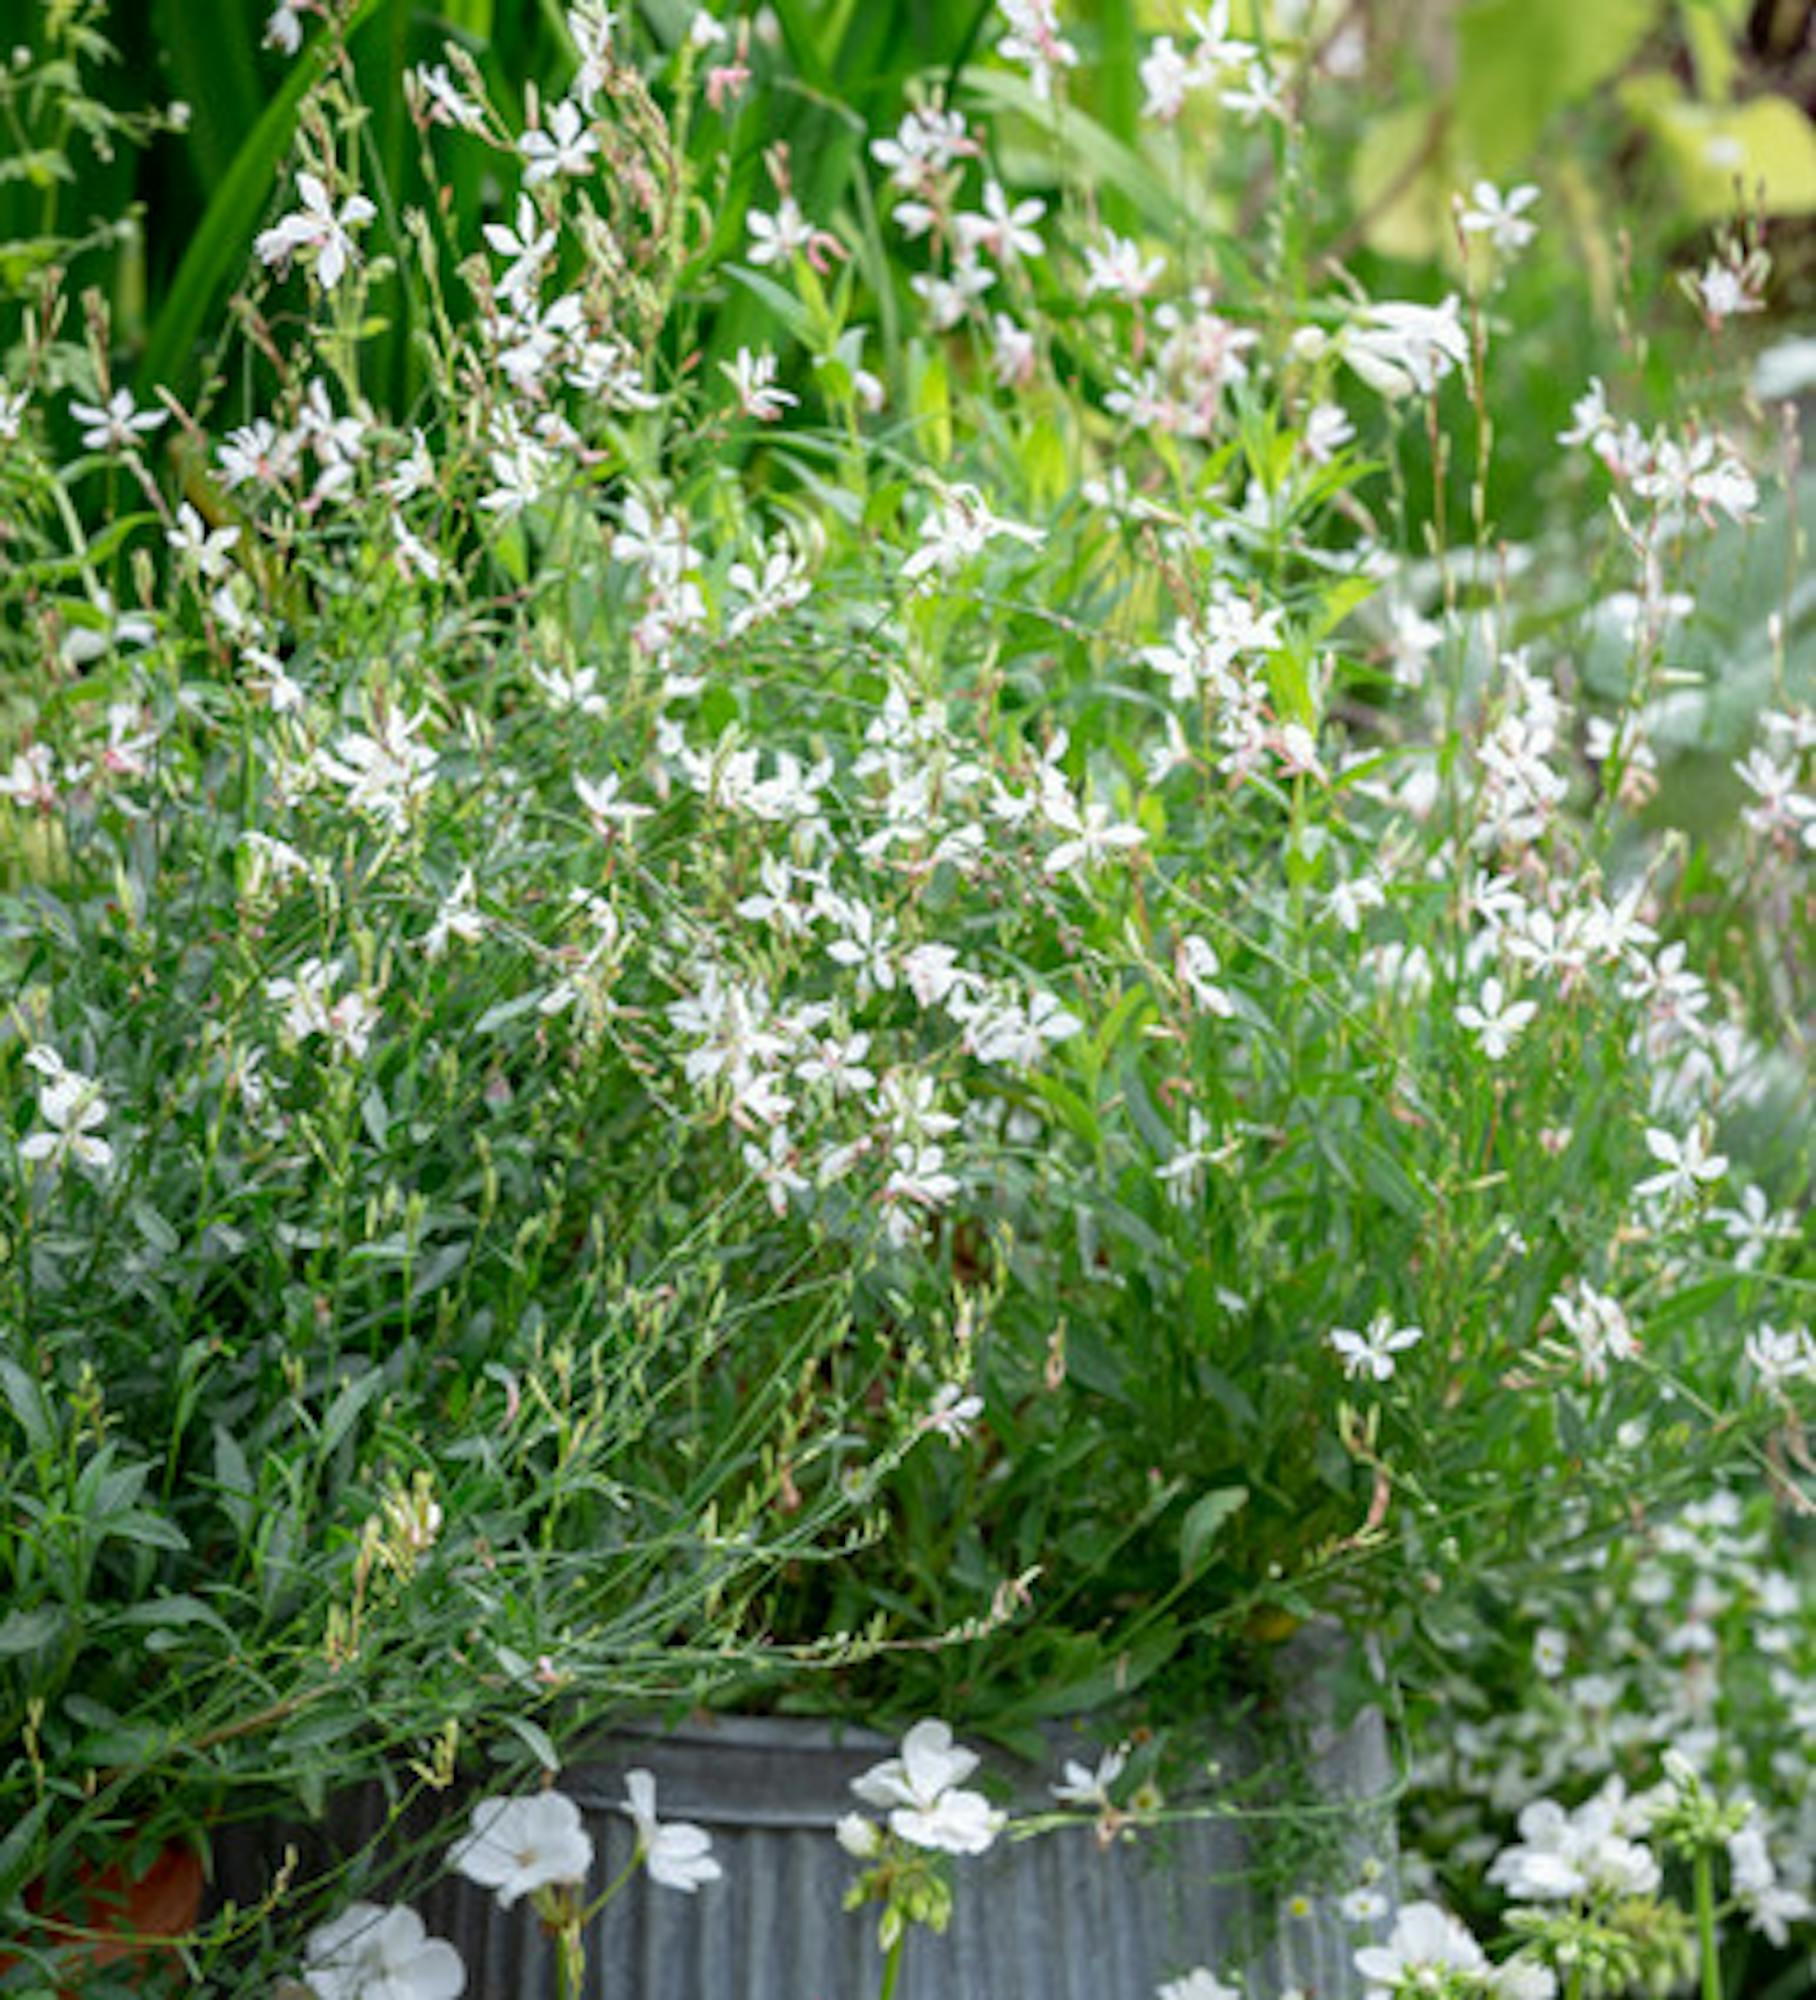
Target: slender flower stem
x: 892, y: 1967
x: 570, y: 1960
x: 1573, y: 1989
x: 1704, y: 1875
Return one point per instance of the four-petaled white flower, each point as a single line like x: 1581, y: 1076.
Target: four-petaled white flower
x: 118, y: 426
x: 923, y: 1793
x: 1687, y: 1164
x: 72, y: 1105
x: 676, y: 1854
x: 1081, y: 1786
x: 369, y: 1953
x: 565, y: 148
x: 774, y: 239
x: 518, y: 1846
x: 1499, y: 217
x: 1372, y: 1353
x: 317, y: 226
x: 1498, y: 1021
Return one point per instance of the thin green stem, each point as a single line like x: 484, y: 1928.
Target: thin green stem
x: 892, y: 1967
x: 1704, y: 1871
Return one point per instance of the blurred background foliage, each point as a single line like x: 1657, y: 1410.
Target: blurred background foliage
x: 1655, y: 129
x: 1644, y: 119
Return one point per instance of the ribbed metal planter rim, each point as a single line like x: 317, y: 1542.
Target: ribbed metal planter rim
x: 1056, y: 1917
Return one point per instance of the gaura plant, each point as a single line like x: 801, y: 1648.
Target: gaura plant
x: 866, y: 869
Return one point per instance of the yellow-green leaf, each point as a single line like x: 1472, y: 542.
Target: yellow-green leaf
x: 1766, y: 144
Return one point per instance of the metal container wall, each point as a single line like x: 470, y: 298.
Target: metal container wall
x: 1054, y: 1917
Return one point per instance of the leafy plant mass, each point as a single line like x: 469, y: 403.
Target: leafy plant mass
x: 821, y: 891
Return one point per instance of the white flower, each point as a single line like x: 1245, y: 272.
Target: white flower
x: 861, y: 1838
x: 774, y: 239
x: 1166, y: 77
x: 920, y: 1789
x: 603, y: 804
x: 1425, y: 1943
x: 1366, y: 1905
x: 952, y: 1413
x: 676, y: 1855
x: 1780, y: 1358
x: 1196, y: 962
x: 564, y: 148
x: 957, y: 529
x: 1550, y: 1652
x: 1327, y: 430
x: 1561, y: 1855
x: 518, y: 1846
x: 310, y: 1008
x: 72, y: 1105
x: 1599, y: 1326
x: 1372, y: 1354
x: 284, y: 29
x: 1094, y: 840
x: 1398, y: 348
x: 368, y: 1953
x: 1118, y: 269
x: 192, y: 538
x: 117, y: 427
x: 1754, y: 1226
x: 1198, y: 1984
x: 1006, y: 232
x: 442, y: 101
x: 32, y: 780
x: 319, y: 227
x: 1082, y: 1786
x: 1687, y: 1162
x: 1498, y: 1021
x: 1500, y: 217
x: 753, y: 377
x: 1034, y: 39
x: 458, y: 917
x: 383, y: 774
x: 1722, y: 292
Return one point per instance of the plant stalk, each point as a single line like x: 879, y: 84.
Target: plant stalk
x: 1704, y: 1874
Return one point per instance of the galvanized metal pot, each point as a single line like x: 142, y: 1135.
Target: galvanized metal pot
x: 1055, y: 1917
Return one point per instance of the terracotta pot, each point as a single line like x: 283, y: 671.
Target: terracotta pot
x: 129, y: 1914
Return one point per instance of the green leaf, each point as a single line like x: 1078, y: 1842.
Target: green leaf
x: 151, y: 1531
x: 1522, y: 60
x: 1766, y: 147
x: 18, y: 1845
x: 179, y: 1608
x: 536, y: 1739
x: 344, y: 1411
x: 234, y: 1477
x: 27, y: 1631
x: 1204, y: 1522
x: 28, y: 1405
